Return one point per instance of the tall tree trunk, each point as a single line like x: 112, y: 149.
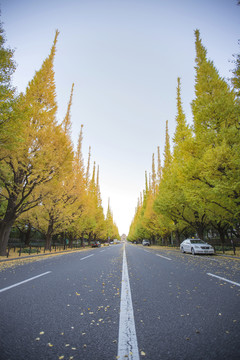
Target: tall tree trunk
x: 6, y: 225
x: 199, y: 225
x: 200, y: 231
x: 82, y: 240
x: 90, y: 238
x: 49, y: 236
x: 28, y: 235
x: 5, y: 228
x: 153, y: 240
x: 222, y: 238
x: 177, y: 234
x: 70, y: 240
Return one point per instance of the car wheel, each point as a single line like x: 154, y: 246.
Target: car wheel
x: 192, y: 250
x: 182, y: 250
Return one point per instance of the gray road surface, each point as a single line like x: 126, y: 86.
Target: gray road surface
x: 68, y: 307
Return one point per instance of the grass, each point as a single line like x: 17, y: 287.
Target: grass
x: 228, y: 251
x: 26, y: 258
x: 28, y: 252
x: 35, y: 251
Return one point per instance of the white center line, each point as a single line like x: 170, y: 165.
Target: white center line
x: 102, y: 250
x: 221, y: 278
x: 127, y: 337
x: 86, y: 257
x: 24, y: 281
x: 164, y: 257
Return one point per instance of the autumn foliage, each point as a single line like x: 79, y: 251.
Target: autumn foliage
x: 43, y: 181
x: 198, y: 190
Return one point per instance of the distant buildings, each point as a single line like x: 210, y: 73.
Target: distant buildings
x: 124, y: 237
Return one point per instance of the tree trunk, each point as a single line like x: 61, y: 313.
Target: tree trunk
x: 90, y: 238
x: 5, y: 228
x: 6, y: 225
x: 177, y: 234
x: 200, y: 232
x: 28, y: 235
x: 153, y: 240
x: 70, y: 240
x: 81, y: 241
x: 222, y: 239
x: 49, y: 236
x: 199, y: 225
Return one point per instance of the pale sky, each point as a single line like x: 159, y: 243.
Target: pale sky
x: 124, y: 57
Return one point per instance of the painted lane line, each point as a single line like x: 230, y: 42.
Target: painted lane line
x: 24, y: 281
x: 102, y: 250
x: 221, y: 278
x: 146, y: 251
x: 87, y: 257
x: 164, y: 257
x: 127, y: 337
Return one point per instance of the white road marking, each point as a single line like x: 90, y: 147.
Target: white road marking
x: 24, y: 281
x: 147, y: 251
x: 102, y: 250
x: 164, y: 257
x: 221, y: 278
x: 86, y: 257
x: 127, y: 337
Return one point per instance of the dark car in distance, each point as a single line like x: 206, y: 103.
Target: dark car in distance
x: 96, y: 244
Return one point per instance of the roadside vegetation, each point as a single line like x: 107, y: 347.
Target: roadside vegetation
x: 44, y: 185
x: 196, y: 193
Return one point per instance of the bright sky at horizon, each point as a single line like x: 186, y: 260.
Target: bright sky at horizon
x: 124, y: 57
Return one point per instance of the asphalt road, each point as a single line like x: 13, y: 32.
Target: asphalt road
x: 68, y: 307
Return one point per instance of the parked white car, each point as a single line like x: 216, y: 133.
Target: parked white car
x: 196, y: 246
x: 146, y: 243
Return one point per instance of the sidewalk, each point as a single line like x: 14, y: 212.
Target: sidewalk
x: 60, y: 252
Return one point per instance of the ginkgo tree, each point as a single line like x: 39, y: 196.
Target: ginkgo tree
x: 171, y: 200
x: 39, y: 154
x: 199, y: 187
x: 43, y: 182
x: 56, y: 209
x: 111, y: 228
x: 7, y: 92
x: 213, y: 171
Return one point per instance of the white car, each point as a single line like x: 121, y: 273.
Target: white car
x: 146, y: 243
x: 196, y: 246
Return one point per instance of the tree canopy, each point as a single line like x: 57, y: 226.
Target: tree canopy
x: 43, y: 180
x: 199, y: 189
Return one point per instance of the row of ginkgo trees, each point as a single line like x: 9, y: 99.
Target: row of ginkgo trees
x: 198, y: 187
x: 43, y: 183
